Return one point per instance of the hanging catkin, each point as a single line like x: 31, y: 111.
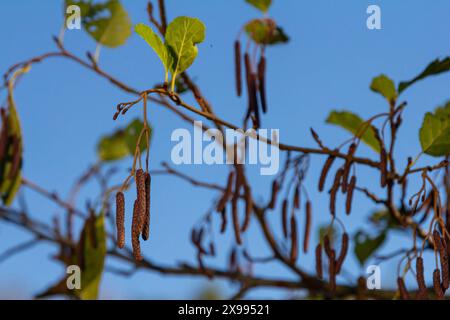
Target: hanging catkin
x: 325, y: 170
x: 422, y: 292
x: 334, y: 190
x: 383, y: 167
x: 343, y: 253
x: 347, y: 166
x: 349, y: 200
x: 319, y: 270
x: 146, y: 227
x: 273, y: 198
x: 120, y: 219
x: 248, y: 208
x: 237, y: 64
x: 437, y: 284
x: 440, y: 247
x: 332, y: 270
x: 141, y: 199
x: 294, y: 240
x: 262, y: 82
x: 308, y: 217
x: 135, y: 233
x: 402, y: 288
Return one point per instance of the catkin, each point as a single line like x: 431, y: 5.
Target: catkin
x: 146, y: 227
x: 443, y: 258
x: 327, y: 245
x: 437, y: 284
x: 347, y: 166
x: 120, y: 219
x: 325, y: 170
x: 227, y: 194
x: 332, y: 270
x: 248, y: 208
x: 349, y: 200
x: 273, y: 198
x: 294, y: 240
x: 223, y: 225
x: 308, y: 217
x: 296, y: 201
x: 284, y: 218
x: 141, y: 199
x: 237, y: 64
x: 422, y: 292
x: 135, y: 232
x: 235, y: 216
x: 343, y: 253
x: 334, y: 190
x: 402, y: 288
x: 262, y: 82
x: 319, y: 270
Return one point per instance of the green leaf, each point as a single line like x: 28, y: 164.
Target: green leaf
x: 94, y: 256
x: 107, y: 22
x: 265, y: 31
x: 155, y: 42
x: 434, y: 68
x: 435, y: 132
x: 122, y: 143
x: 384, y: 86
x: 353, y: 123
x: 182, y: 36
x: 11, y: 153
x: 262, y: 5
x: 365, y: 246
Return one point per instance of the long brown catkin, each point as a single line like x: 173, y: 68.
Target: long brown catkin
x: 237, y: 64
x: 146, y: 227
x: 332, y: 270
x: 135, y: 232
x: 383, y: 167
x: 343, y: 253
x: 141, y: 198
x: 437, y: 284
x: 422, y: 292
x: 294, y: 240
x: 319, y: 269
x: 308, y: 218
x: 350, y: 190
x: 262, y: 82
x: 325, y: 170
x: 347, y: 166
x: 120, y: 219
x: 284, y: 218
x: 334, y: 190
x: 443, y: 258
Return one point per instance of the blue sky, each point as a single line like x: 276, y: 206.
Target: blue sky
x: 328, y: 64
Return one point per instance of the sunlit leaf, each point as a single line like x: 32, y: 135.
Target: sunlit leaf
x: 353, y: 123
x: 262, y: 5
x: 434, y: 68
x: 182, y: 36
x: 265, y: 31
x: 435, y: 132
x: 384, y: 86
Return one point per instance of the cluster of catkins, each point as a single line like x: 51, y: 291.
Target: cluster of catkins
x: 141, y: 214
x: 255, y: 80
x: 440, y: 277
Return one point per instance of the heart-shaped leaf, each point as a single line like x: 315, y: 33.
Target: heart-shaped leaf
x: 365, y: 246
x: 435, y: 132
x: 384, y: 86
x: 182, y: 36
x: 353, y: 123
x: 434, y: 68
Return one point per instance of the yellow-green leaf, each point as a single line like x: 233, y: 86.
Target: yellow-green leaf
x: 384, y: 86
x: 353, y: 123
x: 265, y: 31
x: 435, y: 132
x: 155, y: 42
x: 262, y: 5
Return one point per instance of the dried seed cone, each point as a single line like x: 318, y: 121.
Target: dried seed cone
x: 437, y: 284
x: 319, y: 268
x: 146, y: 226
x: 141, y: 199
x: 120, y: 219
x: 402, y: 288
x: 135, y: 233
